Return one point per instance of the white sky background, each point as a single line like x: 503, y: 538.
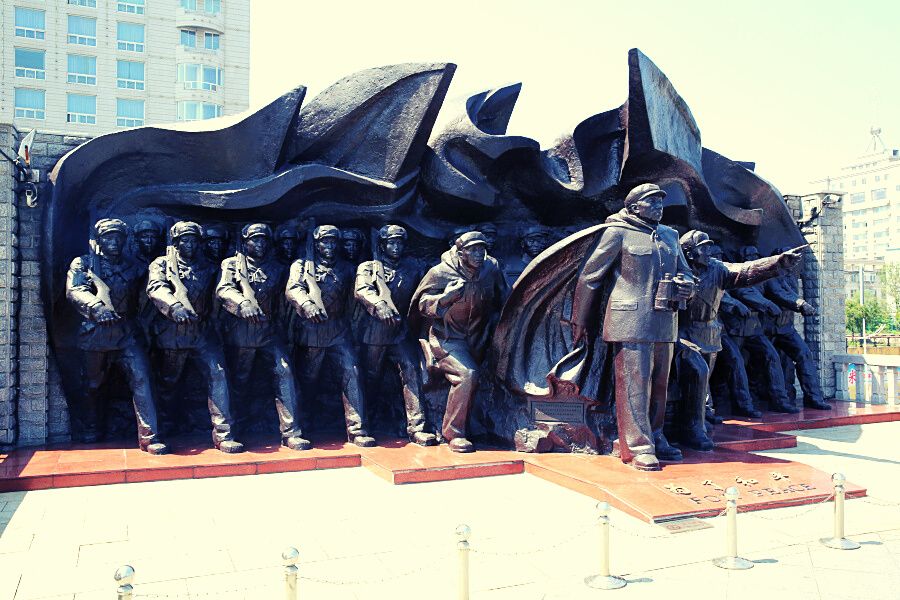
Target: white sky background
x: 793, y: 85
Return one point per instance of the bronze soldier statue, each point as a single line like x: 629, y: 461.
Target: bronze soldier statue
x: 767, y: 378
x: 181, y: 286
x: 103, y: 286
x: 728, y: 379
x: 460, y: 299
x: 384, y: 287
x: 352, y: 242
x: 533, y: 240
x: 215, y: 243
x: 699, y: 329
x: 287, y: 244
x: 148, y: 237
x: 251, y: 290
x: 319, y: 288
x: 784, y: 292
x: 640, y: 263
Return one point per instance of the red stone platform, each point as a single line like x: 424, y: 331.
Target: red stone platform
x: 691, y: 488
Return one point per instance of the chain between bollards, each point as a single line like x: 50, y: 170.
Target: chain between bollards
x: 731, y: 560
x: 124, y: 578
x: 603, y: 580
x: 290, y: 556
x: 838, y: 541
x: 462, y: 547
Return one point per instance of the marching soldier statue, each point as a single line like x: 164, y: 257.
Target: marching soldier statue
x: 251, y: 289
x: 534, y: 240
x: 215, y: 243
x: 104, y: 286
x: 352, y: 242
x: 384, y: 287
x: 181, y: 286
x: 287, y: 244
x: 319, y: 289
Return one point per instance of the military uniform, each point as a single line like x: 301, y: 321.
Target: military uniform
x: 728, y: 378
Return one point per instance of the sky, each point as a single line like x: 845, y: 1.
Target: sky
x: 793, y: 85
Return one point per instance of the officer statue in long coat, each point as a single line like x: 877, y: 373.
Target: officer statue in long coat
x: 251, y: 288
x: 384, y: 287
x: 181, y: 286
x: 103, y: 286
x: 319, y: 289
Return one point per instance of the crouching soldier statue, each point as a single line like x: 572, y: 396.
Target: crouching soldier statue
x: 384, y: 287
x: 180, y: 284
x: 251, y: 289
x: 104, y: 286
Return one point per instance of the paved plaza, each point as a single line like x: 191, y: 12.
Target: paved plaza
x: 362, y: 538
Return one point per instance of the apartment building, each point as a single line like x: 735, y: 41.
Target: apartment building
x: 89, y: 67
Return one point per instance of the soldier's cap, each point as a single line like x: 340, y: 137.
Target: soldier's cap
x: 185, y: 228
x: 285, y: 231
x: 216, y: 230
x: 104, y: 226
x: 323, y: 231
x: 147, y: 225
x: 694, y: 238
x: 392, y: 231
x: 351, y: 233
x: 643, y: 191
x: 486, y: 226
x: 252, y: 229
x: 746, y: 250
x: 470, y: 238
x: 535, y: 231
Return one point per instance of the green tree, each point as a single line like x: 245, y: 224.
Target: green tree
x: 875, y: 312
x: 889, y: 277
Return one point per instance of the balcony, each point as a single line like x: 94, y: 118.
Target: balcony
x: 200, y: 20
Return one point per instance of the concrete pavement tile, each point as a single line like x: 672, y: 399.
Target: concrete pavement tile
x: 15, y: 541
x: 868, y: 559
x: 10, y: 576
x: 166, y: 565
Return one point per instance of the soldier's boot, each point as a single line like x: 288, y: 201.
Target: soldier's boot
x: 694, y: 436
x: 295, y: 442
x: 744, y: 410
x: 156, y: 448
x: 461, y: 445
x: 783, y: 407
x: 665, y: 450
x: 423, y: 439
x: 364, y: 441
x: 645, y: 462
x: 230, y: 447
x: 817, y: 403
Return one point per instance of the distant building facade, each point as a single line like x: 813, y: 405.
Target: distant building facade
x: 87, y: 67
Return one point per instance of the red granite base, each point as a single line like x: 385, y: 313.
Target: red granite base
x: 691, y: 488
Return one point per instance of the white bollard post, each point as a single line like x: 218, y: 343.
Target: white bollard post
x: 290, y: 556
x: 124, y: 578
x: 603, y: 580
x: 838, y: 541
x: 462, y: 546
x: 731, y: 560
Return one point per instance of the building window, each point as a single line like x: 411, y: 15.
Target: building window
x: 879, y: 194
x: 213, y: 7
x: 30, y: 23
x: 82, y: 30
x: 211, y: 41
x: 188, y: 38
x: 29, y: 103
x: 878, y: 178
x: 878, y: 222
x: 81, y: 109
x: 82, y: 69
x: 129, y: 113
x: 30, y: 63
x: 134, y: 7
x: 853, y: 183
x: 841, y: 185
x: 195, y: 111
x: 881, y: 209
x: 862, y: 181
x: 857, y: 198
x: 857, y: 224
x: 130, y: 37
x: 189, y: 4
x: 200, y: 77
x: 87, y: 3
x: 129, y: 75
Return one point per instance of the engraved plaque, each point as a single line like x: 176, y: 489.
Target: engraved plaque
x: 558, y: 412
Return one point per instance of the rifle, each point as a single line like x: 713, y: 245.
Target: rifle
x: 378, y: 278
x: 94, y: 269
x: 180, y: 291
x: 309, y: 271
x: 243, y: 277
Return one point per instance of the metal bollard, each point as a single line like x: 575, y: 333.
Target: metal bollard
x: 731, y: 560
x: 290, y: 556
x: 462, y: 547
x: 604, y: 581
x: 124, y: 578
x: 838, y: 541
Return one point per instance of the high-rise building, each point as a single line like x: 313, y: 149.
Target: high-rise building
x: 871, y: 204
x: 93, y: 66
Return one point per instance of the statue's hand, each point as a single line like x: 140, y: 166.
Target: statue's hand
x: 453, y: 291
x: 180, y: 314
x: 312, y: 312
x: 254, y: 314
x: 684, y: 289
x: 807, y: 309
x: 772, y: 309
x: 742, y: 311
x: 387, y: 314
x: 104, y: 315
x: 788, y: 260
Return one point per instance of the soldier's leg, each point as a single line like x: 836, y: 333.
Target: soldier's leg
x: 287, y: 397
x: 171, y: 367
x: 807, y: 372
x: 211, y: 361
x: 240, y: 367
x: 135, y: 365
x: 403, y: 355
x: 790, y: 376
x: 767, y: 364
x: 351, y: 393
x: 461, y: 370
x: 373, y: 358
x: 633, y: 364
x: 693, y: 381
x: 730, y: 364
x: 308, y: 362
x: 94, y: 366
x: 711, y: 416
